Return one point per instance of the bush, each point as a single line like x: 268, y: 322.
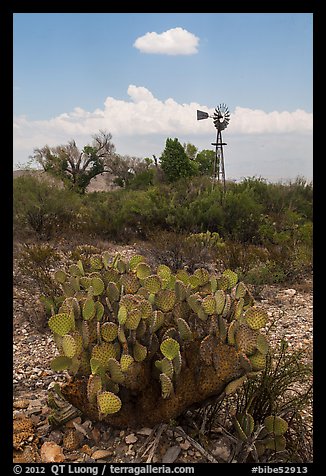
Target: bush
x: 43, y: 210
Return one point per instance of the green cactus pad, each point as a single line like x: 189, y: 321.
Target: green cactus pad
x: 99, y: 310
x: 135, y: 260
x: 143, y: 270
x: 108, y: 403
x: 194, y: 281
x: 235, y: 385
x: 60, y: 276
x: 74, y: 270
x: 167, y: 367
x: 227, y: 306
x: 153, y: 283
x: 125, y: 361
x: 96, y: 262
x: 130, y: 283
x: 116, y: 373
x: 122, y: 314
x: 232, y: 276
x: 85, y: 281
x: 170, y: 348
x: 183, y: 276
x: 275, y: 444
x: 262, y: 344
x: 121, y: 266
x: 231, y: 332
x: 177, y: 363
x: 180, y: 290
x: 103, y: 352
x: 246, y: 422
x: 146, y: 309
x: 112, y: 292
x: 61, y: 323
x: 223, y: 283
x: 68, y: 289
x: 239, y: 308
x: 209, y: 304
x: 69, y: 346
x: 133, y: 319
x: 121, y: 334
x: 156, y: 321
x: 79, y: 341
x: 194, y: 302
x: 246, y: 339
x: 60, y: 363
x: 94, y: 385
x: 275, y: 425
x: 184, y: 330
x: 139, y: 352
x: 163, y: 272
x: 240, y: 290
x: 98, y: 286
x: 166, y: 385
x: 109, y: 331
x: 219, y: 301
x: 165, y: 300
x: 256, y: 317
x: 203, y: 276
x: 258, y: 361
x: 88, y: 309
x: 97, y: 368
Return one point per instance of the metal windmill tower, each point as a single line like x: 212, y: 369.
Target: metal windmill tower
x: 221, y: 119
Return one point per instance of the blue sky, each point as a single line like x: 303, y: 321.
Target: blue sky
x: 142, y: 76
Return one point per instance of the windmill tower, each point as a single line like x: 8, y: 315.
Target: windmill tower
x: 221, y: 119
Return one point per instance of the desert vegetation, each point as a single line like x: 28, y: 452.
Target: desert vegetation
x: 174, y: 327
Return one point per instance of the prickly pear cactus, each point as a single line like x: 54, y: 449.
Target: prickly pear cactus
x: 144, y: 345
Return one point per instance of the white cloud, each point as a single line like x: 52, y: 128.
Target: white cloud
x: 141, y: 125
x: 175, y: 41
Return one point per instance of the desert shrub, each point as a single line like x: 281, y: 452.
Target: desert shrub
x: 37, y: 263
x: 43, y: 210
x: 179, y: 251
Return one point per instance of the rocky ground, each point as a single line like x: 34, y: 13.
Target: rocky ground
x: 81, y: 440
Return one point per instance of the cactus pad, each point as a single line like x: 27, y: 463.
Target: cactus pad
x: 165, y: 300
x: 170, y: 348
x: 109, y: 331
x: 256, y: 317
x: 108, y: 403
x: 153, y: 283
x: 276, y: 425
x: 61, y: 323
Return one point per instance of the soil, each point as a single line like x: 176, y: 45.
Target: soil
x: 81, y: 440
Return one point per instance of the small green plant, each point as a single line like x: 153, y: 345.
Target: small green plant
x: 269, y: 409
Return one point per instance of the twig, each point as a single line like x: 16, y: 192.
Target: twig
x: 151, y: 445
x: 196, y: 445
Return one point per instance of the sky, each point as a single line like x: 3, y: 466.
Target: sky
x: 142, y: 76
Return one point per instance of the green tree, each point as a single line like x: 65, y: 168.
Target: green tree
x: 205, y: 160
x: 191, y: 150
x: 75, y: 167
x: 174, y: 161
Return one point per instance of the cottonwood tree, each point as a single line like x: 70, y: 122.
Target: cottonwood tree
x: 76, y: 167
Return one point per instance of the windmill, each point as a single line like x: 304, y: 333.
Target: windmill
x: 221, y: 119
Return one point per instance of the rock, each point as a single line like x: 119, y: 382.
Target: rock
x: 56, y: 436
x: 51, y: 453
x: 96, y: 435
x: 222, y: 450
x: 144, y: 431
x: 171, y: 454
x: 130, y: 439
x: 99, y: 454
x: 185, y: 446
